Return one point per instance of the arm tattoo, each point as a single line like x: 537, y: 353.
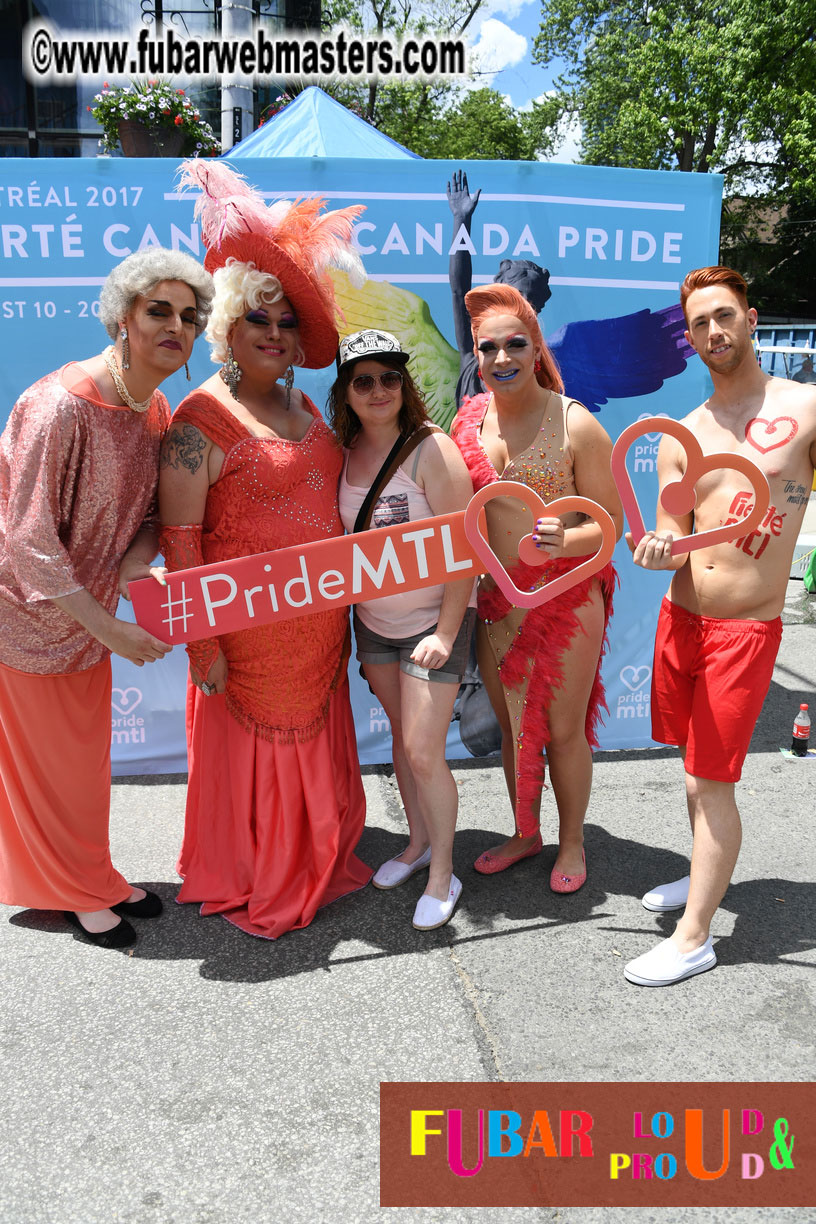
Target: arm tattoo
x: 183, y: 447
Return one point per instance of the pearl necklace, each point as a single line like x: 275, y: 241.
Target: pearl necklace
x: 119, y: 383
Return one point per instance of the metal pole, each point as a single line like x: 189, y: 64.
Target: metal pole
x: 237, y: 96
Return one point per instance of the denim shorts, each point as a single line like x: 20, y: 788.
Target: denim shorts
x: 371, y: 648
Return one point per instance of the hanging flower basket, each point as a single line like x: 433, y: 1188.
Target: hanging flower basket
x: 139, y: 140
x: 152, y: 120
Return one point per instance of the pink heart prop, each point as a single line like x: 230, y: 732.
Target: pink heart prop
x: 679, y: 497
x: 527, y: 550
x: 758, y: 427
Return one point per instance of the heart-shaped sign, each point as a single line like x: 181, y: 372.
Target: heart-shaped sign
x: 679, y: 497
x: 527, y: 550
x: 125, y: 701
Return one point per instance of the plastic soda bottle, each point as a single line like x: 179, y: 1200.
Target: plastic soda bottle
x: 801, y: 732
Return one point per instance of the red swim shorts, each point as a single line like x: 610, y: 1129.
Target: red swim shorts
x: 709, y: 681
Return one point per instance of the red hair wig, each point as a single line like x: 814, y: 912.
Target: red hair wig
x: 504, y: 299
x: 704, y: 278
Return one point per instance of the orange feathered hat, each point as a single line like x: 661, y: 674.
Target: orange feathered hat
x: 296, y: 242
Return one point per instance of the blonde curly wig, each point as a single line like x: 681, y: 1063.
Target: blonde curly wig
x: 239, y: 287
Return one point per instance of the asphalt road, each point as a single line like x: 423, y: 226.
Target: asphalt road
x: 211, y: 1077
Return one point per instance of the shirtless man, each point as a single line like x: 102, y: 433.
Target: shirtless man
x: 719, y: 629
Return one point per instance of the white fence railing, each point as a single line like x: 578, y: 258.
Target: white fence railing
x: 783, y: 347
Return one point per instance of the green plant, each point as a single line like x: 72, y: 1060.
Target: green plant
x: 274, y: 108
x: 156, y: 104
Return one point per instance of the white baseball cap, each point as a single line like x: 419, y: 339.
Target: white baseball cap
x: 369, y: 343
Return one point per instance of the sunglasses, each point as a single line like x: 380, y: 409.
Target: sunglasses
x: 364, y: 384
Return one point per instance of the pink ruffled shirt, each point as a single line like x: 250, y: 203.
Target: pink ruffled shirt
x: 78, y: 481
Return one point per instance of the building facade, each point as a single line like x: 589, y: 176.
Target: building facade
x: 54, y: 120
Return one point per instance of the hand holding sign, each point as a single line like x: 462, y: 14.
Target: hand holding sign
x: 679, y: 498
x: 248, y: 591
x: 228, y: 596
x: 527, y: 550
x: 233, y: 595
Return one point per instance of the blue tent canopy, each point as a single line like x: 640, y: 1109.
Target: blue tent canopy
x: 315, y: 125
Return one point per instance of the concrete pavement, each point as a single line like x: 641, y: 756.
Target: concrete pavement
x: 211, y: 1077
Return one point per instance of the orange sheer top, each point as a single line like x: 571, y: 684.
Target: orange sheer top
x: 274, y: 493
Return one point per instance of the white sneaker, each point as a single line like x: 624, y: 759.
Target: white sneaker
x: 665, y: 965
x: 668, y: 896
x: 395, y: 872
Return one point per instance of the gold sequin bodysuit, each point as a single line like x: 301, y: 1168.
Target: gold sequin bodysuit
x: 528, y: 645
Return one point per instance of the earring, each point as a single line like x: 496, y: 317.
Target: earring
x: 289, y: 383
x: 537, y: 367
x: 231, y: 373
x: 187, y: 371
x: 125, y: 350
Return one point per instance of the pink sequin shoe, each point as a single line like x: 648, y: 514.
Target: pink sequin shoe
x: 489, y: 864
x: 567, y: 884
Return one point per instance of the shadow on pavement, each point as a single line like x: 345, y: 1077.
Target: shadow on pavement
x: 775, y: 918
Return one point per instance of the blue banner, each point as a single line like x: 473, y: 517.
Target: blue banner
x: 617, y: 243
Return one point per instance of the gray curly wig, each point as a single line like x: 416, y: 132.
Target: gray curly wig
x: 139, y: 273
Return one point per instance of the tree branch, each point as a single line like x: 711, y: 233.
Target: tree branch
x: 708, y: 148
x: 474, y: 8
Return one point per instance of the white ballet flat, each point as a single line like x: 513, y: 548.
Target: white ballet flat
x: 431, y: 913
x: 394, y: 872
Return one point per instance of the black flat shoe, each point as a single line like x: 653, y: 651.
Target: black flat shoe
x: 120, y: 936
x: 150, y: 906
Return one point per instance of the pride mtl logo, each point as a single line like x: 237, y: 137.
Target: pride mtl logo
x: 127, y: 727
x: 637, y: 702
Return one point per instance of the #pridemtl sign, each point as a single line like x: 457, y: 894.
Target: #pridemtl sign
x: 248, y: 591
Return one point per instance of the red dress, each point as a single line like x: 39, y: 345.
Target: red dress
x: 529, y: 645
x: 275, y: 803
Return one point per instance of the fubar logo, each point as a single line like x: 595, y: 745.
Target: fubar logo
x: 667, y: 1145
